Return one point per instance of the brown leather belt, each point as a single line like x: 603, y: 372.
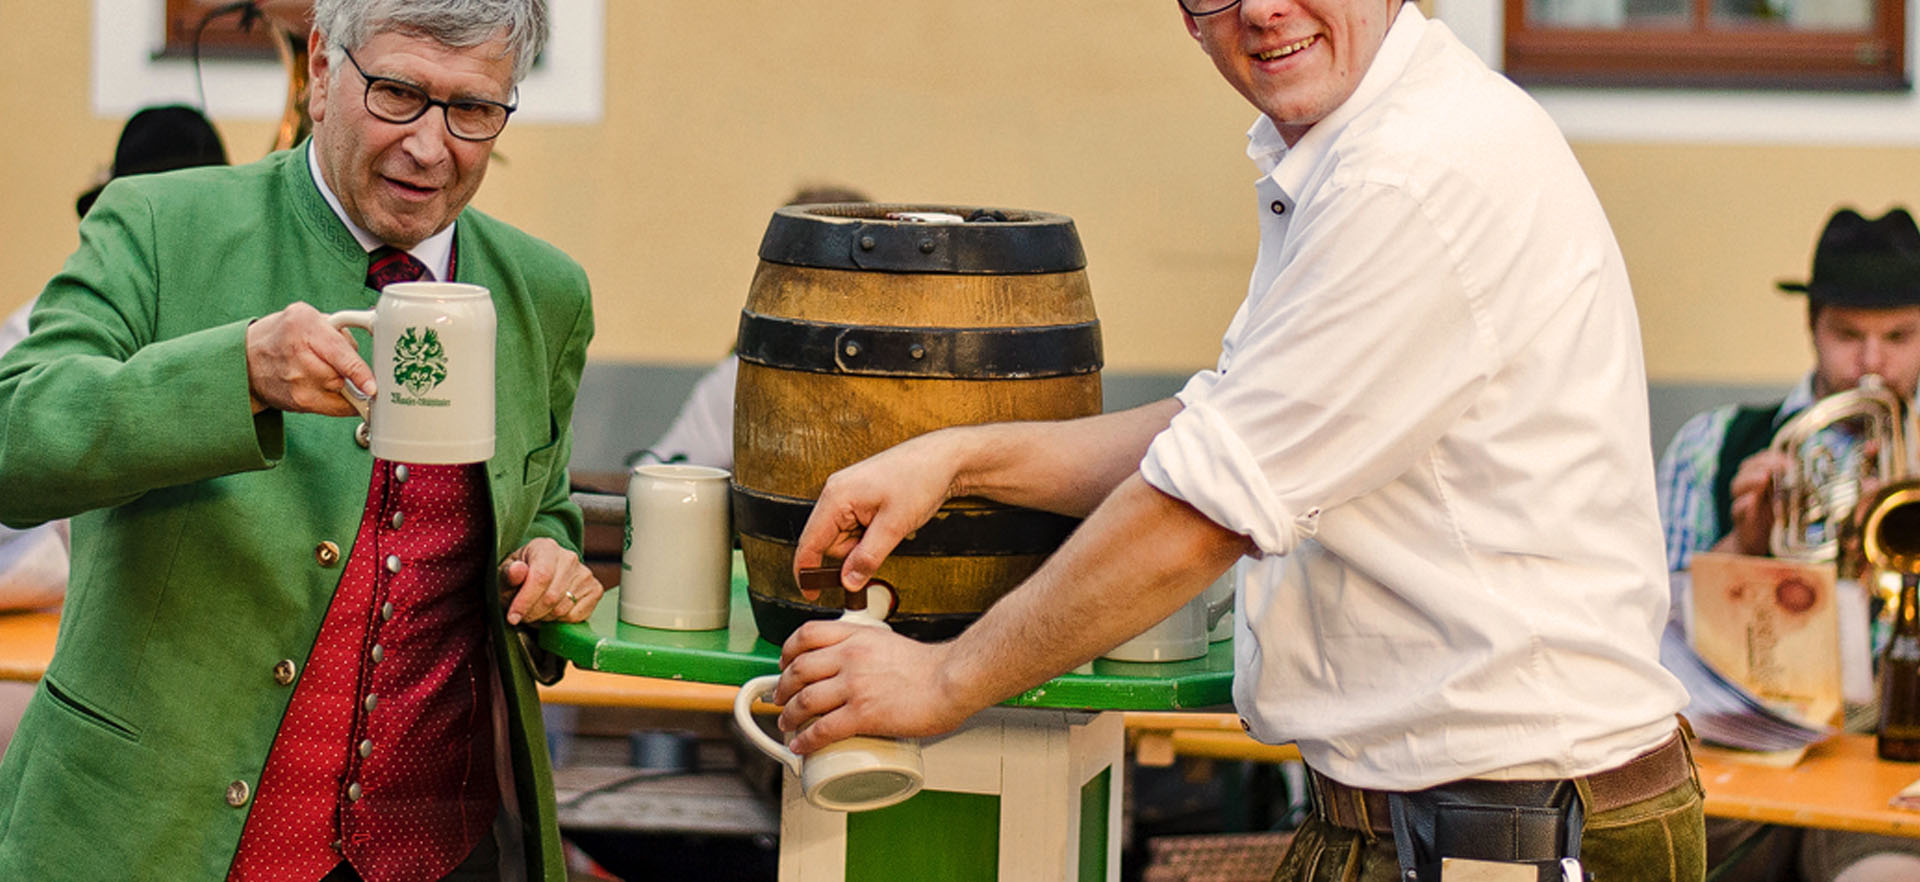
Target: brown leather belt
x: 1643, y: 777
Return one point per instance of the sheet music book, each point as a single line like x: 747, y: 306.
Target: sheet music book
x: 1722, y: 712
x: 1773, y: 627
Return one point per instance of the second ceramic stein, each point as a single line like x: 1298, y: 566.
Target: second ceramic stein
x: 433, y: 365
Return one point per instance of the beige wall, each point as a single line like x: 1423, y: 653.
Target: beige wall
x: 1105, y: 112
x: 1708, y: 230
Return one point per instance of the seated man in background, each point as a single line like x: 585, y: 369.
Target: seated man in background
x: 1717, y: 477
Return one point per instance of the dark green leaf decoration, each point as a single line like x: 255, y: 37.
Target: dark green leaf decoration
x: 419, y: 361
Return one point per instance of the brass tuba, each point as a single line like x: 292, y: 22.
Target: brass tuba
x: 1815, y: 500
x: 294, y: 122
x: 287, y: 24
x: 1890, y: 535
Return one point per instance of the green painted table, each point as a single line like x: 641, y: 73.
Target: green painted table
x: 1029, y: 790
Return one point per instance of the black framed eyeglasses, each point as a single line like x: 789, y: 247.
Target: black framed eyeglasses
x: 1197, y: 8
x: 401, y: 102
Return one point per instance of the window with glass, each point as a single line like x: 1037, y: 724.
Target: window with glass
x: 1817, y: 44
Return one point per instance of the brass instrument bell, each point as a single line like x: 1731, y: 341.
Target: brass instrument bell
x: 1890, y: 535
x: 1815, y: 499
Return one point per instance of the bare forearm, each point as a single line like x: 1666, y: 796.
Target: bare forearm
x: 1067, y: 466
x: 1141, y: 555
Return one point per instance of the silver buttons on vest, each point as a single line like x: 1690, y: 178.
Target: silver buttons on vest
x: 238, y: 793
x: 326, y: 554
x: 353, y: 791
x: 284, y: 672
x: 400, y: 473
x: 371, y: 702
x: 378, y: 653
x: 360, y: 436
x: 393, y: 563
x: 397, y: 520
x: 386, y: 611
x: 366, y: 748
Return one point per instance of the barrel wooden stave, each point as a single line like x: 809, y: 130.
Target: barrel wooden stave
x: 920, y: 299
x: 793, y: 429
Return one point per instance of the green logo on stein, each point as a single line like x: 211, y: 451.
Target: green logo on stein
x: 419, y: 361
x: 626, y: 541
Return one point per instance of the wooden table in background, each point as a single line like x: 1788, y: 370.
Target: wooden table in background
x: 1839, y: 785
x: 26, y: 643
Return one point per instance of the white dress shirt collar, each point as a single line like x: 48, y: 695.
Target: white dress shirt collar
x: 435, y: 251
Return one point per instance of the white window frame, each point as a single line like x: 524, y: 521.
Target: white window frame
x: 565, y: 87
x: 1705, y: 115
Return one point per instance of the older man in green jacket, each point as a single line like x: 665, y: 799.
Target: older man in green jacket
x: 281, y: 657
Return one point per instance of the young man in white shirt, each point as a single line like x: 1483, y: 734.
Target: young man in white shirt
x: 1427, y: 430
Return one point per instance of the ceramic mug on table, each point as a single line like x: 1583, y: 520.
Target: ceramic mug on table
x: 851, y: 775
x: 676, y: 564
x: 1219, y: 597
x: 1183, y: 634
x: 433, y: 365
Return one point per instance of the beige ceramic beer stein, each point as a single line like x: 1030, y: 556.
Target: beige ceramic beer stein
x: 852, y: 775
x: 676, y: 564
x: 433, y: 364
x: 1183, y: 634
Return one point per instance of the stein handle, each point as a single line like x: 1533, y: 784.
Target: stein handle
x: 353, y: 318
x: 1217, y: 609
x: 880, y: 603
x: 743, y: 717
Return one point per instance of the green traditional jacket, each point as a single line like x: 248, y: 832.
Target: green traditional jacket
x: 197, y: 524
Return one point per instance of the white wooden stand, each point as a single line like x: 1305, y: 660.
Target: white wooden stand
x: 1015, y: 795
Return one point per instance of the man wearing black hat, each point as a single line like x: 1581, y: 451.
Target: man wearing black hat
x: 1863, y: 311
x: 157, y: 139
x: 1717, y: 476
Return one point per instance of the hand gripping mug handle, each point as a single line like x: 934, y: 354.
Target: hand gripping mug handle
x: 362, y: 319
x: 743, y: 717
x: 882, y: 602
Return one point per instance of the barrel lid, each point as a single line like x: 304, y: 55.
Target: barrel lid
x: 911, y: 238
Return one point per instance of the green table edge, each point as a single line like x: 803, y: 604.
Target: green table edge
x: 736, y: 654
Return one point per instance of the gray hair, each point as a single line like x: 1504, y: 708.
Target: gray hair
x: 348, y: 24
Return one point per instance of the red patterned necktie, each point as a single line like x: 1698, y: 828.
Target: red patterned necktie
x: 387, y: 265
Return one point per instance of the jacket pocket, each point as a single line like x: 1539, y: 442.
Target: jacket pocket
x: 540, y: 460
x: 109, y: 723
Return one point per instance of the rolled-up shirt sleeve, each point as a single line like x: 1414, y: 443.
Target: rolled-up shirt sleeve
x: 1339, y: 376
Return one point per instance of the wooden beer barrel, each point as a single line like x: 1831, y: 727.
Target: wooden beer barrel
x: 865, y: 326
